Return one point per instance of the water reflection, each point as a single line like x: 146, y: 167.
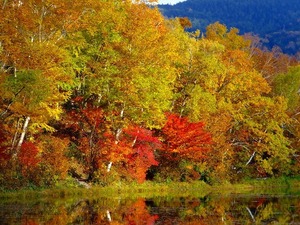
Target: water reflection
x: 213, y: 209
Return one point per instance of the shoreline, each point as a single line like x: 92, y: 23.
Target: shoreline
x: 151, y: 189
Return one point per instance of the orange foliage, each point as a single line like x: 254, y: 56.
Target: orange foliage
x: 59, y: 219
x: 139, y: 214
x: 186, y: 139
x: 28, y: 155
x: 4, y: 155
x: 185, y: 22
x: 85, y: 126
x: 112, y: 150
x: 135, y: 148
x: 53, y: 155
x: 271, y: 63
x: 27, y: 221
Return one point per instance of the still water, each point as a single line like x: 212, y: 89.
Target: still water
x: 211, y: 209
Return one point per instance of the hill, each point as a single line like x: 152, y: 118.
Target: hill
x: 277, y: 22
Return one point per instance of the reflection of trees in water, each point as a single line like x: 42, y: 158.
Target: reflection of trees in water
x: 259, y: 210
x: 233, y: 209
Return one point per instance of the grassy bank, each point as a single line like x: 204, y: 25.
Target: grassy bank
x: 261, y: 186
x: 151, y: 189
x: 145, y: 190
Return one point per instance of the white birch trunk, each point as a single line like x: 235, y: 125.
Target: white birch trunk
x: 108, y: 216
x: 21, y: 140
x: 13, y: 143
x: 253, y: 154
x: 109, y: 167
x: 250, y: 213
x: 119, y: 132
x: 134, y: 141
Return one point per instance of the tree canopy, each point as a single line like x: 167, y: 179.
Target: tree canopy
x: 108, y: 91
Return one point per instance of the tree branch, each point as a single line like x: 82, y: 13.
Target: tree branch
x: 253, y: 154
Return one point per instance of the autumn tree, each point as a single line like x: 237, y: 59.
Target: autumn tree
x: 83, y: 124
x: 124, y: 63
x: 91, y: 84
x: 134, y: 154
x: 143, y: 156
x: 183, y: 141
x: 242, y: 89
x: 287, y: 85
x: 36, y: 74
x: 219, y: 87
x: 271, y: 63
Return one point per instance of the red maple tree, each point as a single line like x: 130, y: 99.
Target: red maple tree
x: 142, y: 157
x: 184, y: 139
x: 28, y: 156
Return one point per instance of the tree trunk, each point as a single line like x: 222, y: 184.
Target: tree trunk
x: 108, y: 216
x: 118, y: 133
x: 109, y: 166
x: 250, y: 213
x: 4, y: 4
x: 253, y: 154
x: 21, y: 140
x: 13, y: 143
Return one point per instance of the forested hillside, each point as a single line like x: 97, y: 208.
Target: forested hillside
x: 277, y: 22
x: 111, y: 91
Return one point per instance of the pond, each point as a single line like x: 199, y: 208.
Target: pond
x: 211, y: 209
